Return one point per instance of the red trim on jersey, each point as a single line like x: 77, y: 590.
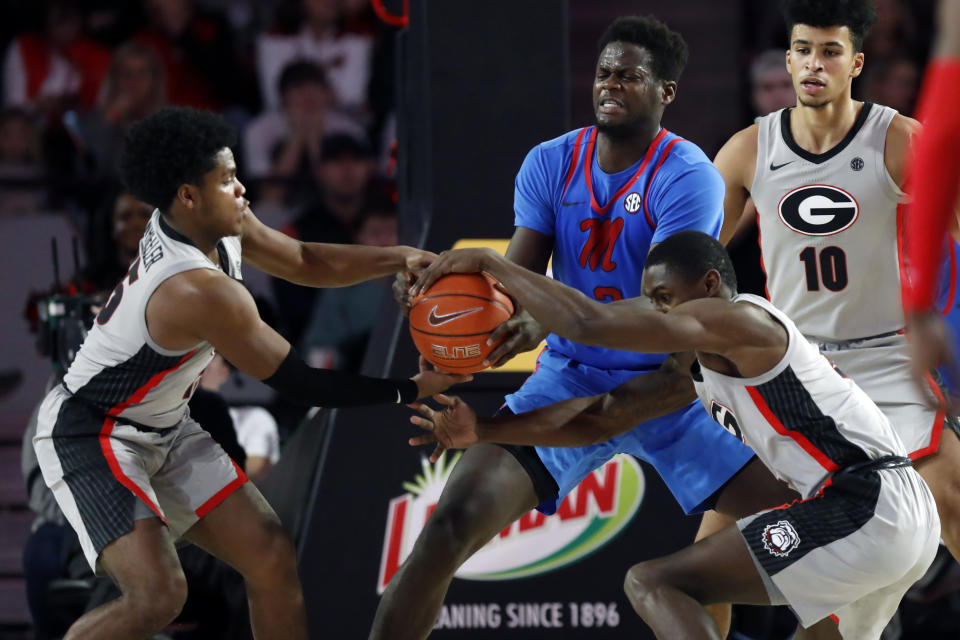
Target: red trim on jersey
x: 763, y: 267
x: 953, y: 277
x: 937, y: 422
x: 818, y: 494
x: 646, y: 189
x: 904, y: 283
x: 574, y: 160
x: 122, y: 478
x: 834, y: 617
x: 221, y: 495
x: 588, y: 162
x: 107, y: 447
x: 798, y: 437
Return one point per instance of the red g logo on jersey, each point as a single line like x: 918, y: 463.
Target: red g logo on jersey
x: 818, y: 210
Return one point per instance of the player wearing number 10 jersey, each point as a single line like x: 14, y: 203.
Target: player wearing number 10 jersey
x: 826, y: 177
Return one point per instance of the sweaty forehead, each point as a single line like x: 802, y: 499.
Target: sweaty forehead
x: 224, y: 161
x: 619, y: 55
x: 654, y: 276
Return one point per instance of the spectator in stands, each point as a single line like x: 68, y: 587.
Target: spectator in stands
x: 342, y: 318
x: 893, y: 82
x: 256, y: 429
x: 197, y: 50
x: 311, y: 29
x: 114, y: 240
x: 284, y: 144
x: 771, y: 87
x: 134, y: 88
x: 895, y: 32
x: 56, y: 69
x: 343, y: 178
x: 22, y: 189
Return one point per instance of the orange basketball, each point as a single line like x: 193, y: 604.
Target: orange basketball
x: 450, y: 321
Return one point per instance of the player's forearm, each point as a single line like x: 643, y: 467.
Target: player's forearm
x: 569, y: 314
x: 580, y: 422
x: 341, y: 265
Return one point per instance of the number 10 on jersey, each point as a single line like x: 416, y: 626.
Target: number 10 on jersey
x: 830, y: 267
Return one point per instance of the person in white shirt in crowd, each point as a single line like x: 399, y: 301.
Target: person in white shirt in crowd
x: 345, y: 57
x: 256, y: 428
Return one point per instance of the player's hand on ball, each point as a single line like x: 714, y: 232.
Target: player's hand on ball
x: 417, y: 259
x: 519, y: 334
x: 454, y: 427
x: 454, y: 261
x: 431, y: 381
x: 401, y: 290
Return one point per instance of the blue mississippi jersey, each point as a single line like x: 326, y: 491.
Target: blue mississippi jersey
x: 604, y: 224
x: 948, y: 302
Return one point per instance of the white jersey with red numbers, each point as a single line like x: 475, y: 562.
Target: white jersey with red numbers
x: 803, y: 419
x: 830, y: 228
x: 119, y: 368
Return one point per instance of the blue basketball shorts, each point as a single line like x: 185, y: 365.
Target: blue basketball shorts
x: 693, y: 454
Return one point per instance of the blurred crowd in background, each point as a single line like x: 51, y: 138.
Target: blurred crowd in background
x: 308, y: 84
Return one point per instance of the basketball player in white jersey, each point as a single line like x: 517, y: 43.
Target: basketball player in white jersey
x: 826, y: 177
x: 129, y: 468
x: 867, y: 526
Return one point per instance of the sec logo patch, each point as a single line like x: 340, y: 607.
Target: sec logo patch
x: 818, y: 210
x: 632, y: 202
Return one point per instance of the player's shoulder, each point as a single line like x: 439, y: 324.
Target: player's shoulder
x: 903, y: 128
x: 744, y: 142
x: 562, y: 145
x: 200, y: 289
x: 683, y: 157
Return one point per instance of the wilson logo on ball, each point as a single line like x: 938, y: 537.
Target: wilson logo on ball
x: 818, y: 210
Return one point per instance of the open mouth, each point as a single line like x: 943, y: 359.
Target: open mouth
x: 812, y: 84
x: 610, y: 105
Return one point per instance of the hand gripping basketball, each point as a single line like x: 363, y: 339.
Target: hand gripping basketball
x: 451, y: 321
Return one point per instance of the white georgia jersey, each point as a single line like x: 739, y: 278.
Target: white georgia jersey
x: 119, y: 368
x: 802, y: 417
x: 830, y: 228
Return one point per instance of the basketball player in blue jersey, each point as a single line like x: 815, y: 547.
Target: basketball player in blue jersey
x: 128, y: 466
x: 867, y: 526
x: 596, y: 198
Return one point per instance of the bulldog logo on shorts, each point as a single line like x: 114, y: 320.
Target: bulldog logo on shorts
x: 780, y: 538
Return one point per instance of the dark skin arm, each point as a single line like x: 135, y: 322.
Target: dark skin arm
x: 206, y: 305
x: 747, y: 337
x: 576, y: 422
x: 317, y: 264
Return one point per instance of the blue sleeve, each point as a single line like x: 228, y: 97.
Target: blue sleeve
x: 691, y: 199
x: 533, y: 199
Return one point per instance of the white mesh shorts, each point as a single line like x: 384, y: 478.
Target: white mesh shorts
x: 881, y: 367
x: 107, y: 474
x: 849, y: 552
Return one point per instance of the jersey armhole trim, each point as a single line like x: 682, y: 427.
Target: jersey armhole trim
x: 165, y: 275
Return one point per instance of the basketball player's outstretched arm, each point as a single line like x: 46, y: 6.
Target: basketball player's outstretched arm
x: 318, y: 264
x: 711, y: 324
x: 576, y: 422
x: 206, y: 305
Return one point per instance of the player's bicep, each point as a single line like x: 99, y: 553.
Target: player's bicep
x: 734, y: 160
x: 230, y: 322
x: 690, y: 201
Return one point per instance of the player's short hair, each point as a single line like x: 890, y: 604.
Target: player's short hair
x: 172, y: 147
x: 693, y: 253
x: 856, y: 15
x: 666, y: 47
